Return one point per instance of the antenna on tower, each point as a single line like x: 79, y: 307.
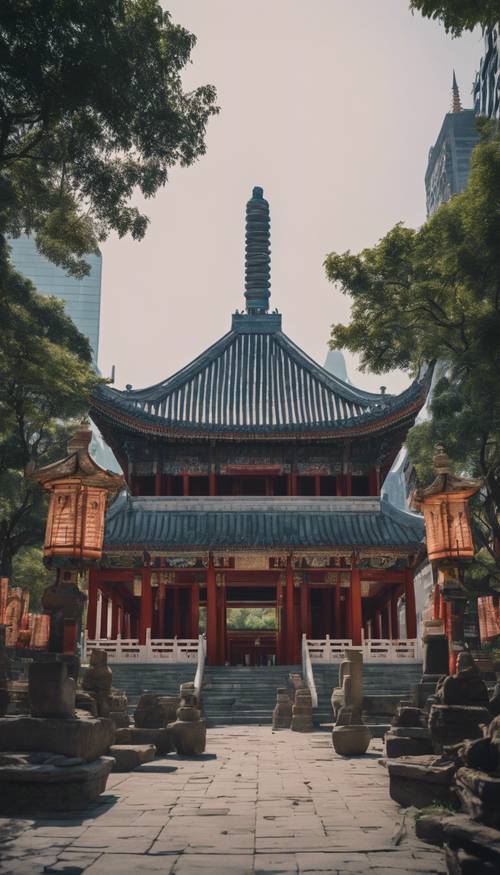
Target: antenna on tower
x: 456, y: 105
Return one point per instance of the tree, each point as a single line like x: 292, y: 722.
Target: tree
x: 434, y: 293
x: 92, y: 108
x: 45, y: 379
x: 460, y: 15
x: 29, y: 572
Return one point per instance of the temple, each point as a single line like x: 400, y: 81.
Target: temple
x: 254, y: 480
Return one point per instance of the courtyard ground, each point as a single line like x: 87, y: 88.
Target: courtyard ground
x: 256, y: 802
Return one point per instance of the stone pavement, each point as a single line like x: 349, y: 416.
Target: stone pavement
x: 256, y: 802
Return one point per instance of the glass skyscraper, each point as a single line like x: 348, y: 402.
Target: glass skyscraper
x: 487, y: 84
x: 82, y: 297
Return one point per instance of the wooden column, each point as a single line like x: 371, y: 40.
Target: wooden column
x: 185, y: 484
x: 103, y: 631
x: 378, y: 625
x: 146, y: 614
x: 195, y: 610
x: 394, y: 614
x: 176, y: 612
x: 356, y: 615
x: 290, y: 614
x: 161, y: 609
x: 115, y: 628
x: 92, y: 604
x: 158, y: 483
x: 337, y: 614
x: 348, y: 483
x: 411, y: 613
x: 317, y: 484
x: 221, y: 620
x: 212, y: 483
x: 211, y: 614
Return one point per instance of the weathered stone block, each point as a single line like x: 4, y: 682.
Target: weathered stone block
x: 188, y: 737
x: 85, y: 737
x: 150, y: 712
x: 161, y: 738
x: 421, y: 781
x: 129, y: 756
x: 30, y: 784
x: 282, y: 713
x: 451, y: 724
x: 51, y: 691
x: 479, y: 794
x: 401, y: 746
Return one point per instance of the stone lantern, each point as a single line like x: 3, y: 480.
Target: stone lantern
x: 79, y: 493
x: 450, y: 545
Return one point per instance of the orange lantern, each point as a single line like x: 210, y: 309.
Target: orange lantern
x: 445, y: 506
x: 79, y: 490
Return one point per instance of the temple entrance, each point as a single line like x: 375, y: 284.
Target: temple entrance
x: 251, y: 624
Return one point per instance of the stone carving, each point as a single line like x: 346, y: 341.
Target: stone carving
x: 151, y: 713
x: 63, y: 601
x: 97, y: 680
x: 51, y: 691
x: 408, y: 735
x: 302, y: 711
x: 350, y: 737
x: 461, y: 705
x: 282, y: 714
x: 189, y: 732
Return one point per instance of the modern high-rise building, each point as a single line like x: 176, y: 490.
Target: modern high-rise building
x: 449, y: 158
x: 82, y: 297
x: 487, y: 84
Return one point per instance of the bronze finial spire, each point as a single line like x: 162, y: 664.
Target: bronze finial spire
x: 258, y: 253
x: 456, y: 105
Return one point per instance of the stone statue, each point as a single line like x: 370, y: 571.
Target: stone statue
x: 282, y: 714
x: 350, y: 667
x: 189, y: 732
x: 63, y: 600
x: 350, y: 737
x: 460, y: 705
x: 97, y: 680
x: 465, y: 687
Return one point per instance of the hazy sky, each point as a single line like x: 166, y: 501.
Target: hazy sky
x: 331, y: 106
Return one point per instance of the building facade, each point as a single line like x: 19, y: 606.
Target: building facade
x: 82, y: 297
x: 487, y: 84
x: 254, y: 482
x: 449, y: 159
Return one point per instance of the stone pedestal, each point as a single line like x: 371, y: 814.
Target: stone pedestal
x: 189, y: 731
x: 408, y: 735
x: 421, y: 781
x: 282, y: 714
x: 83, y: 737
x: 38, y: 783
x: 302, y: 711
x: 51, y: 691
x: 451, y: 724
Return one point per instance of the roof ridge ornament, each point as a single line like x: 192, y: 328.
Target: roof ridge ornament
x: 257, y: 253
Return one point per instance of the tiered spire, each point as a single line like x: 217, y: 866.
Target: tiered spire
x: 257, y: 253
x: 456, y: 105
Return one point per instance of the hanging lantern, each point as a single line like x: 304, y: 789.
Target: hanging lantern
x: 79, y: 491
x: 445, y: 506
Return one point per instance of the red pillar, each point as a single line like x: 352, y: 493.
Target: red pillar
x: 185, y: 484
x: 356, y: 617
x: 337, y: 615
x: 212, y: 483
x: 161, y: 610
x: 103, y: 632
x: 211, y: 614
x: 394, y: 615
x: 411, y: 613
x: 290, y: 614
x: 92, y: 604
x: 317, y: 484
x: 195, y: 610
x: 146, y: 614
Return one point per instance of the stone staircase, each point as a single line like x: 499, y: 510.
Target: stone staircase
x: 241, y: 695
x: 166, y: 679
x: 383, y: 686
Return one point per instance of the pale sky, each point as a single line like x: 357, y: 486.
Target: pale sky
x: 331, y: 106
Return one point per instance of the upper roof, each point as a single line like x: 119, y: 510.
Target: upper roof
x: 245, y: 523
x: 254, y: 380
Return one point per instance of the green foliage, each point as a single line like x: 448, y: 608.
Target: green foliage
x: 45, y: 379
x: 251, y: 619
x: 459, y: 15
x: 29, y: 572
x: 92, y: 108
x: 434, y: 293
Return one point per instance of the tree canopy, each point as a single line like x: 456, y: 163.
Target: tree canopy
x: 460, y: 15
x: 92, y: 108
x: 434, y: 293
x: 45, y: 379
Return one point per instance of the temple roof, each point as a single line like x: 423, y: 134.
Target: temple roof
x: 254, y: 380
x: 246, y: 523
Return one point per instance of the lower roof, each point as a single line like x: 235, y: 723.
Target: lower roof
x: 181, y: 523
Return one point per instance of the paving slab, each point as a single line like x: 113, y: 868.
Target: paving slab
x: 260, y: 802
